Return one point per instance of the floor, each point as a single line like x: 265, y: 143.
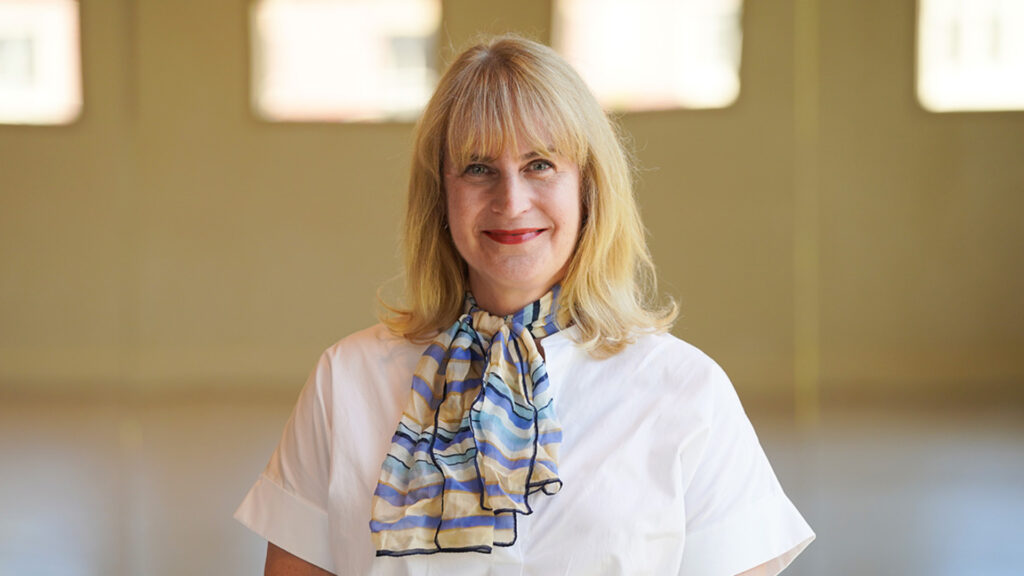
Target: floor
x: 117, y: 487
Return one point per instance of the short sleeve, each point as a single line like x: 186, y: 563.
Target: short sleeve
x: 737, y: 516
x: 288, y: 503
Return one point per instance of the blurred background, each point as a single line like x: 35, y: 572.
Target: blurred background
x: 184, y: 236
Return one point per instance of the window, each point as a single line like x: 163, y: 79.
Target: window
x: 343, y: 60
x: 970, y: 55
x: 654, y: 54
x: 40, y: 64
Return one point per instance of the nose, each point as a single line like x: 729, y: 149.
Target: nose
x: 512, y: 197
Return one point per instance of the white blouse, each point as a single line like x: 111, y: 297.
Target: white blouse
x: 662, y: 472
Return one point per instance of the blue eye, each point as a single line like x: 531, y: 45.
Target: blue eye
x: 540, y: 165
x: 476, y: 170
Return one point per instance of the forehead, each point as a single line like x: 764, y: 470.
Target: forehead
x: 471, y: 141
x: 518, y: 149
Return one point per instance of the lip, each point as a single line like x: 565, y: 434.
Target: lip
x: 517, y: 236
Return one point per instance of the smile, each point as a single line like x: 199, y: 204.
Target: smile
x: 513, y: 236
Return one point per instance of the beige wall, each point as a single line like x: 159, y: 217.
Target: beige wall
x: 169, y: 240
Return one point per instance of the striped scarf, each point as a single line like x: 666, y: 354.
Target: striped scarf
x: 478, y: 436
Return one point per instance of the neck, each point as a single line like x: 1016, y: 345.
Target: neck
x: 503, y: 302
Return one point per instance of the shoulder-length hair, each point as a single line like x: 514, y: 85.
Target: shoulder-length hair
x: 494, y: 93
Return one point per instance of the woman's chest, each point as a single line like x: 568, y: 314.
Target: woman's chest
x: 619, y: 512
x: 621, y: 509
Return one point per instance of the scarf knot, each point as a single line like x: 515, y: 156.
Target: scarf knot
x: 478, y: 437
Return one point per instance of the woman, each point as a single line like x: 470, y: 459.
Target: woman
x: 525, y: 407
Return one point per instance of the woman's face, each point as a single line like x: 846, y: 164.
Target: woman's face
x: 515, y: 220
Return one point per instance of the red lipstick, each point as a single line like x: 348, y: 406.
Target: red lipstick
x: 513, y: 236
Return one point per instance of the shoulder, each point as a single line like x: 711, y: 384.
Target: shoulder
x: 371, y: 365
x: 657, y: 370
x: 650, y: 355
x: 373, y: 345
x: 667, y: 350
x: 663, y: 357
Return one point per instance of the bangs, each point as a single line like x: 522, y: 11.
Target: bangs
x: 500, y: 106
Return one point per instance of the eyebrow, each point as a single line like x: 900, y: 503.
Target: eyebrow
x: 528, y: 156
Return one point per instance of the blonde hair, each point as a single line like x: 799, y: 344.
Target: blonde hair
x: 493, y: 93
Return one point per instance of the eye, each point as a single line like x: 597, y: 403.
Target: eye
x: 540, y: 166
x: 476, y: 170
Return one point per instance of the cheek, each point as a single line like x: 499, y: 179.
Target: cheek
x: 571, y: 209
x: 452, y: 212
x: 460, y: 219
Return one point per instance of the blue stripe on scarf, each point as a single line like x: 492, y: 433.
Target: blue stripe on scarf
x: 407, y: 522
x: 494, y: 452
x: 423, y: 388
x: 520, y: 416
x: 396, y: 498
